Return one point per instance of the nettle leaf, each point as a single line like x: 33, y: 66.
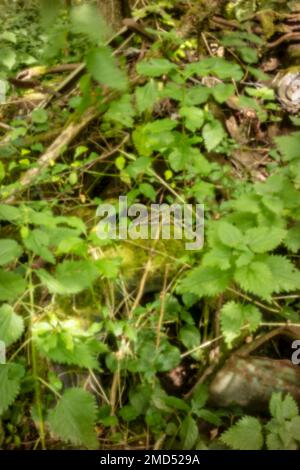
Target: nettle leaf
x: 286, y: 277
x: 222, y: 68
x: 10, y: 379
x: 37, y: 241
x: 229, y: 234
x: 155, y: 67
x: 283, y: 408
x: 194, y: 117
x: 222, y: 91
x: 292, y: 240
x: 9, y: 251
x: 246, y: 434
x: 213, y: 133
x: 9, y: 213
x: 71, y: 277
x: 11, y: 285
x: 234, y: 316
x: 146, y: 96
x: 189, y: 335
x: 103, y: 67
x: 256, y: 278
x: 205, y: 281
x: 288, y: 145
x: 189, y: 433
x: 73, y: 419
x: 11, y: 325
x: 262, y: 239
x: 121, y: 111
x: 109, y: 268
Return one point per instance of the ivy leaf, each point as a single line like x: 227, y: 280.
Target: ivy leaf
x: 155, y: 67
x: 11, y: 285
x: 205, y: 281
x: 256, y: 278
x: 189, y: 433
x: 10, y: 378
x: 246, y: 434
x: 11, y: 325
x: 9, y: 251
x: 74, y: 417
x: 213, y: 133
x: 262, y: 239
x: 234, y: 316
x: 103, y: 68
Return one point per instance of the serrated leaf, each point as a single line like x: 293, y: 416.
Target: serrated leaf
x: 292, y: 240
x: 155, y: 67
x: 9, y: 251
x: 205, y: 281
x: 189, y: 433
x: 74, y: 417
x: 71, y: 277
x: 286, y: 277
x: 11, y: 285
x: 10, y: 378
x: 255, y: 278
x: 11, y: 325
x: 229, y: 234
x: 103, y: 68
x: 246, y: 434
x: 146, y: 96
x: 262, y: 239
x: 37, y: 241
x: 213, y: 133
x: 222, y: 91
x: 194, y: 117
x: 283, y: 408
x: 234, y: 316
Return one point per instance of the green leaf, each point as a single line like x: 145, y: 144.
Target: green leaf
x: 256, y: 278
x: 189, y: 433
x: 229, y: 234
x: 205, y: 281
x: 246, y: 434
x: 121, y: 111
x: 103, y: 68
x: 283, y: 408
x: 8, y: 57
x: 194, y: 117
x: 74, y: 417
x: 71, y: 277
x: 37, y: 241
x: 288, y: 145
x: 262, y: 239
x: 155, y: 67
x: 286, y: 277
x: 222, y: 91
x: 10, y: 379
x: 294, y: 428
x: 11, y: 325
x: 9, y: 213
x: 9, y: 251
x: 87, y: 20
x: 11, y: 285
x: 292, y: 240
x: 222, y: 68
x: 213, y: 133
x: 189, y: 335
x: 109, y: 268
x: 146, y: 96
x: 39, y: 116
x: 147, y: 190
x: 234, y: 316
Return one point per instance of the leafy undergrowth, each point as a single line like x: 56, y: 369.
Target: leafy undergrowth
x: 114, y: 343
